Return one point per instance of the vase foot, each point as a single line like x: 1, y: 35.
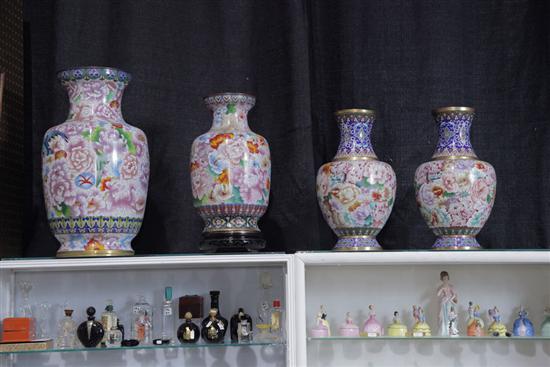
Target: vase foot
x: 232, y: 242
x: 456, y: 243
x: 357, y: 243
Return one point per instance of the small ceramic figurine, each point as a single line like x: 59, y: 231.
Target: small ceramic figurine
x: 349, y: 329
x: 497, y: 328
x: 396, y: 328
x: 447, y: 299
x: 372, y: 326
x: 545, y: 326
x: 523, y: 326
x: 322, y: 327
x: 421, y: 327
x: 453, y: 316
x: 475, y: 324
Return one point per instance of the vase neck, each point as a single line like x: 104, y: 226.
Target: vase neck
x: 454, y: 133
x: 95, y: 99
x: 355, y: 134
x: 230, y: 111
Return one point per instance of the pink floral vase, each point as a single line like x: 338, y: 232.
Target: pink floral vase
x: 95, y: 168
x: 356, y: 191
x: 455, y: 191
x: 230, y: 176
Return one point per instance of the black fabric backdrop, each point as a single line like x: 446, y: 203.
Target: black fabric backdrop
x: 304, y: 60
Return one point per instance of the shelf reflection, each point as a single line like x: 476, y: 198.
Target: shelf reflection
x: 150, y: 347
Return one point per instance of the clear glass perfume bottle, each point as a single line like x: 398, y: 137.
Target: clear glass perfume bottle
x: 168, y: 316
x: 277, y: 321
x: 264, y: 308
x: 142, y: 325
x: 114, y: 337
x: 108, y: 319
x: 66, y: 331
x: 25, y: 310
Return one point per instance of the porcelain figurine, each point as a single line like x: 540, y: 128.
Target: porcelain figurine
x: 497, y: 328
x: 397, y: 328
x: 349, y: 329
x: 421, y: 327
x: 455, y: 191
x: 545, y: 326
x: 90, y: 333
x: 475, y: 324
x: 453, y: 323
x: 95, y: 168
x: 448, y: 299
x: 322, y: 326
x: 356, y: 191
x: 230, y: 176
x: 523, y: 326
x: 372, y: 327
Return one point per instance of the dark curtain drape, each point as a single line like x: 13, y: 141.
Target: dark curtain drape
x: 304, y: 60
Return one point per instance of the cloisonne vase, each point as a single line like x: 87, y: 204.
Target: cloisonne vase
x: 230, y: 176
x: 95, y: 168
x: 356, y: 191
x: 455, y: 191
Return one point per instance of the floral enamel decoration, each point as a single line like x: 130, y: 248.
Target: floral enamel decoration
x: 231, y: 176
x: 455, y: 191
x: 356, y: 191
x: 95, y: 168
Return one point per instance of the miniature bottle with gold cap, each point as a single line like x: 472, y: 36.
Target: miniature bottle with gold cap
x: 188, y: 332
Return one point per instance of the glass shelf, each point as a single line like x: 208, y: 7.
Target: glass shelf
x: 423, y: 338
x: 150, y: 347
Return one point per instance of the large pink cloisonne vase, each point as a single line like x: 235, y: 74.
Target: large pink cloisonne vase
x: 95, y: 168
x: 230, y: 176
x: 356, y: 191
x: 455, y: 191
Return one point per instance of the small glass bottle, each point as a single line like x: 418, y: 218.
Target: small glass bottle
x: 142, y: 325
x: 277, y: 321
x: 213, y: 330
x: 108, y: 319
x: 167, y: 332
x: 220, y: 320
x: 241, y: 327
x: 114, y: 337
x: 264, y: 308
x: 90, y: 332
x: 188, y: 332
x: 66, y: 331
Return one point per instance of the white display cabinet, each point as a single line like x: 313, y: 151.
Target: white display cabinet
x: 392, y: 281
x: 84, y: 282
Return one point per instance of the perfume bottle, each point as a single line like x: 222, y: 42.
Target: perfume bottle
x: 241, y: 327
x: 277, y: 321
x: 215, y: 304
x: 188, y: 332
x: 108, y: 319
x: 114, y: 337
x: 90, y: 332
x: 167, y: 316
x: 25, y: 310
x: 66, y: 331
x: 264, y: 308
x: 142, y: 325
x: 213, y: 329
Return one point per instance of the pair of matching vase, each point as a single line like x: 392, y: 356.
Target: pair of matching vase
x: 95, y: 170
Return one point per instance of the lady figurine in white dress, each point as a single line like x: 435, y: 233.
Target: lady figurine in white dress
x: 448, y: 299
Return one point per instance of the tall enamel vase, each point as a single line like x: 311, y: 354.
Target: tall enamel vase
x: 455, y: 191
x: 95, y: 168
x: 230, y: 176
x: 356, y: 191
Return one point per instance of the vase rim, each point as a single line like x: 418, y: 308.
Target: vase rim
x: 230, y: 94
x: 439, y: 110
x: 364, y: 111
x: 115, y: 73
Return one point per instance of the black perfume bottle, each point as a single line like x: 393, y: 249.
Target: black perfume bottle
x: 90, y: 332
x: 188, y: 332
x: 241, y: 327
x: 215, y: 304
x: 212, y: 328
